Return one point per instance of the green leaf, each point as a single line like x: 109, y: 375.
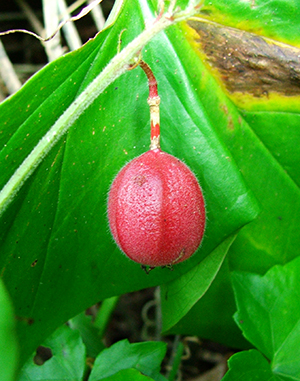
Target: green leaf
x: 104, y: 314
x: 9, y: 350
x: 67, y: 361
x: 269, y: 315
x: 89, y: 333
x: 179, y: 295
x: 249, y: 366
x: 269, y: 126
x: 259, y: 124
x: 268, y: 166
x: 211, y: 317
x: 145, y: 357
x: 260, y: 17
x: 127, y: 374
x: 60, y: 213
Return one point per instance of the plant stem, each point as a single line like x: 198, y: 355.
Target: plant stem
x: 153, y: 102
x: 103, y: 317
x: 175, y: 360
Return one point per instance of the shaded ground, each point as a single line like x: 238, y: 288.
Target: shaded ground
x: 136, y: 318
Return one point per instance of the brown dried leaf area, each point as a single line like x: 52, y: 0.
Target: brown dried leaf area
x: 248, y: 63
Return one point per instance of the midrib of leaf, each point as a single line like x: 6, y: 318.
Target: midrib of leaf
x: 117, y: 66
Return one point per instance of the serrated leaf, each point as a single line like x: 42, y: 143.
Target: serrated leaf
x: 249, y: 366
x: 269, y: 315
x: 145, y: 357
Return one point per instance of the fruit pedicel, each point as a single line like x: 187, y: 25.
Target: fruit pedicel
x: 156, y: 209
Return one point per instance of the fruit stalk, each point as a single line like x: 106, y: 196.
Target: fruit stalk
x: 156, y: 208
x: 153, y: 102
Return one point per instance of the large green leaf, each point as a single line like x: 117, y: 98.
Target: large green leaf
x: 57, y: 254
x: 256, y: 149
x: 250, y: 88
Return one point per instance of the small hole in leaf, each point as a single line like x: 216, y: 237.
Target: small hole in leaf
x: 42, y: 355
x: 33, y: 264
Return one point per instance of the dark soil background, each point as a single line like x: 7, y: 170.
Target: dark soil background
x: 136, y: 319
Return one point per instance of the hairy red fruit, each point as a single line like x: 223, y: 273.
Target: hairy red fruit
x: 156, y: 210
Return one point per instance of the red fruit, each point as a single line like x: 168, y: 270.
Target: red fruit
x: 156, y: 210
